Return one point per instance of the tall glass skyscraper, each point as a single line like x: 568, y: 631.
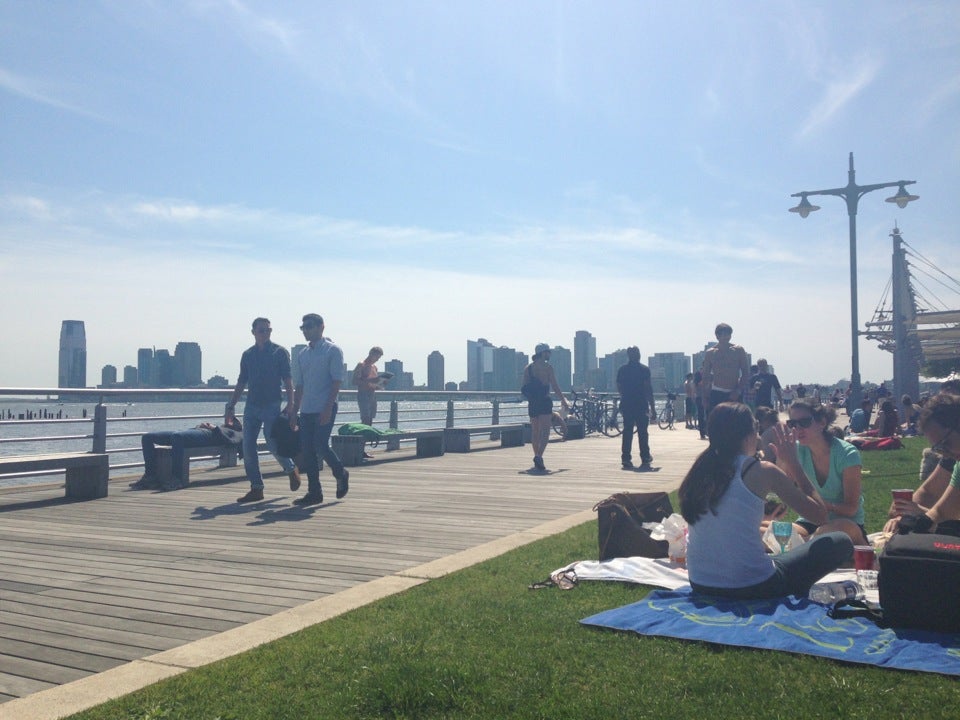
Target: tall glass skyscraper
x: 72, y: 372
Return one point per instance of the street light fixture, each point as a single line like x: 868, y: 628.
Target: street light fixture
x: 852, y: 193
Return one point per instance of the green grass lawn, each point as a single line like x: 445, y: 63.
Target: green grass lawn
x: 479, y: 644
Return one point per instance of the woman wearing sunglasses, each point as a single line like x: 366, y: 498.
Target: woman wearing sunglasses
x: 833, y: 466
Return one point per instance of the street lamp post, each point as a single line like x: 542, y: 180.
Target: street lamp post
x: 852, y: 194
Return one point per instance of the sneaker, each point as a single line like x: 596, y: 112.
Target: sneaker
x: 629, y: 466
x: 538, y: 463
x: 252, y: 496
x: 310, y: 499
x: 294, y: 476
x: 343, y: 484
x: 647, y: 461
x: 147, y: 482
x: 367, y: 456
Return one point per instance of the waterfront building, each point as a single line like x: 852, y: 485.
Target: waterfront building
x: 610, y: 364
x: 108, y: 376
x: 129, y: 376
x: 561, y: 358
x: 584, y: 358
x: 398, y: 380
x: 452, y: 386
x: 187, y: 360
x: 669, y: 369
x: 435, y: 371
x: 146, y: 368
x: 72, y: 366
x: 479, y: 364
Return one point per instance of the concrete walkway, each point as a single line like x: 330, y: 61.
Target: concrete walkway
x: 104, y: 597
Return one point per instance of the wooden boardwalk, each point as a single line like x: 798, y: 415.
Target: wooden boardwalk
x: 88, y: 586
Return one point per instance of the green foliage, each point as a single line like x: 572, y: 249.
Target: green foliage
x: 941, y: 368
x: 479, y: 644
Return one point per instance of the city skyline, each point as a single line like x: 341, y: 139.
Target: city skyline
x: 420, y: 174
x: 668, y: 369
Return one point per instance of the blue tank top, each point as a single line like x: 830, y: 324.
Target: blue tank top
x: 725, y: 550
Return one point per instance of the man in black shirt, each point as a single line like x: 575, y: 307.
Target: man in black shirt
x: 636, y: 396
x: 766, y: 384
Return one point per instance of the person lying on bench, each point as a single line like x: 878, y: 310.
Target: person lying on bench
x: 202, y: 435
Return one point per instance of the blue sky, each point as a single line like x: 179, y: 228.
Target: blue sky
x: 422, y: 173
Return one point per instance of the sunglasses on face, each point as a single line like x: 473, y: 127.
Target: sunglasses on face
x: 942, y: 445
x: 801, y: 422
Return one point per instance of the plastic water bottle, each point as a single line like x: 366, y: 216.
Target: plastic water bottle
x: 834, y: 592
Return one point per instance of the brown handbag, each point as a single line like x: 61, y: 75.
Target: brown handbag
x: 620, y: 521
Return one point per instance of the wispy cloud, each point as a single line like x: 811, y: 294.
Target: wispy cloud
x: 42, y: 91
x: 838, y: 94
x: 254, y: 28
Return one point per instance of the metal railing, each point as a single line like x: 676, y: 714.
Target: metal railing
x: 98, y: 431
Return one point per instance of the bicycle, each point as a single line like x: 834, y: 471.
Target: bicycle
x: 596, y: 414
x: 666, y: 417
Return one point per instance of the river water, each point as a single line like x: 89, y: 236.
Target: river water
x: 67, y: 430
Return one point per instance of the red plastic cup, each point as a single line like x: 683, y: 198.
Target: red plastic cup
x: 902, y: 494
x: 863, y: 557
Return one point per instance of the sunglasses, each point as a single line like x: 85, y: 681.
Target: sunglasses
x: 802, y: 422
x: 942, y: 445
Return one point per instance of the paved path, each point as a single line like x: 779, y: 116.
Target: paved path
x: 101, y: 597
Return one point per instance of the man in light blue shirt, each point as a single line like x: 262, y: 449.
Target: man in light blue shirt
x: 317, y: 377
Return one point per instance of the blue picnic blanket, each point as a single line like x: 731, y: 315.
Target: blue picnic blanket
x: 793, y: 625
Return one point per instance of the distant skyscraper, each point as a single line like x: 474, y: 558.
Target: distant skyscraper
x: 187, y: 359
x: 507, y: 369
x: 610, y: 364
x: 479, y: 364
x: 166, y: 369
x: 435, y: 374
x: 129, y: 376
x: 560, y: 358
x: 146, y: 368
x: 672, y: 367
x: 584, y: 358
x: 108, y: 376
x: 397, y: 381
x: 72, y: 372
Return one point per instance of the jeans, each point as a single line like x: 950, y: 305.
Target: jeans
x: 196, y: 437
x: 639, y: 420
x: 315, y: 443
x: 255, y: 417
x: 795, y: 570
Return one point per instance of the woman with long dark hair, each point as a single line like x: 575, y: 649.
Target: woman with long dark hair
x: 833, y: 465
x: 722, y: 498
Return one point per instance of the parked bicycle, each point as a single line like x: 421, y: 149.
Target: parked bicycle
x: 666, y: 417
x: 597, y: 415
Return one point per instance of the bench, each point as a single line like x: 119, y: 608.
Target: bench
x: 87, y: 473
x: 349, y: 448
x: 164, y: 456
x: 511, y: 435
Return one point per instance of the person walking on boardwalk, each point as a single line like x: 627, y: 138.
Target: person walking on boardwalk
x: 726, y: 371
x: 538, y: 379
x: 767, y: 386
x: 264, y: 368
x: 365, y: 379
x: 636, y: 406
x: 319, y: 374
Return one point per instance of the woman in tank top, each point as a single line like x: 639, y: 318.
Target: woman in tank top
x: 722, y: 500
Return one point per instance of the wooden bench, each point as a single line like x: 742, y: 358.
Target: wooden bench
x: 87, y: 473
x: 458, y: 439
x: 349, y: 448
x: 227, y: 455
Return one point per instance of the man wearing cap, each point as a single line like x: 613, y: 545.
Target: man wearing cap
x: 265, y: 367
x: 636, y: 396
x: 538, y: 379
x: 317, y: 377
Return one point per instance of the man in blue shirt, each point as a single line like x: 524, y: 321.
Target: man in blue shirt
x: 319, y: 373
x: 264, y: 367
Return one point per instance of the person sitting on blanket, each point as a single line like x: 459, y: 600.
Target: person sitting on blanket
x: 940, y: 424
x: 833, y: 465
x: 722, y: 499
x: 887, y: 423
